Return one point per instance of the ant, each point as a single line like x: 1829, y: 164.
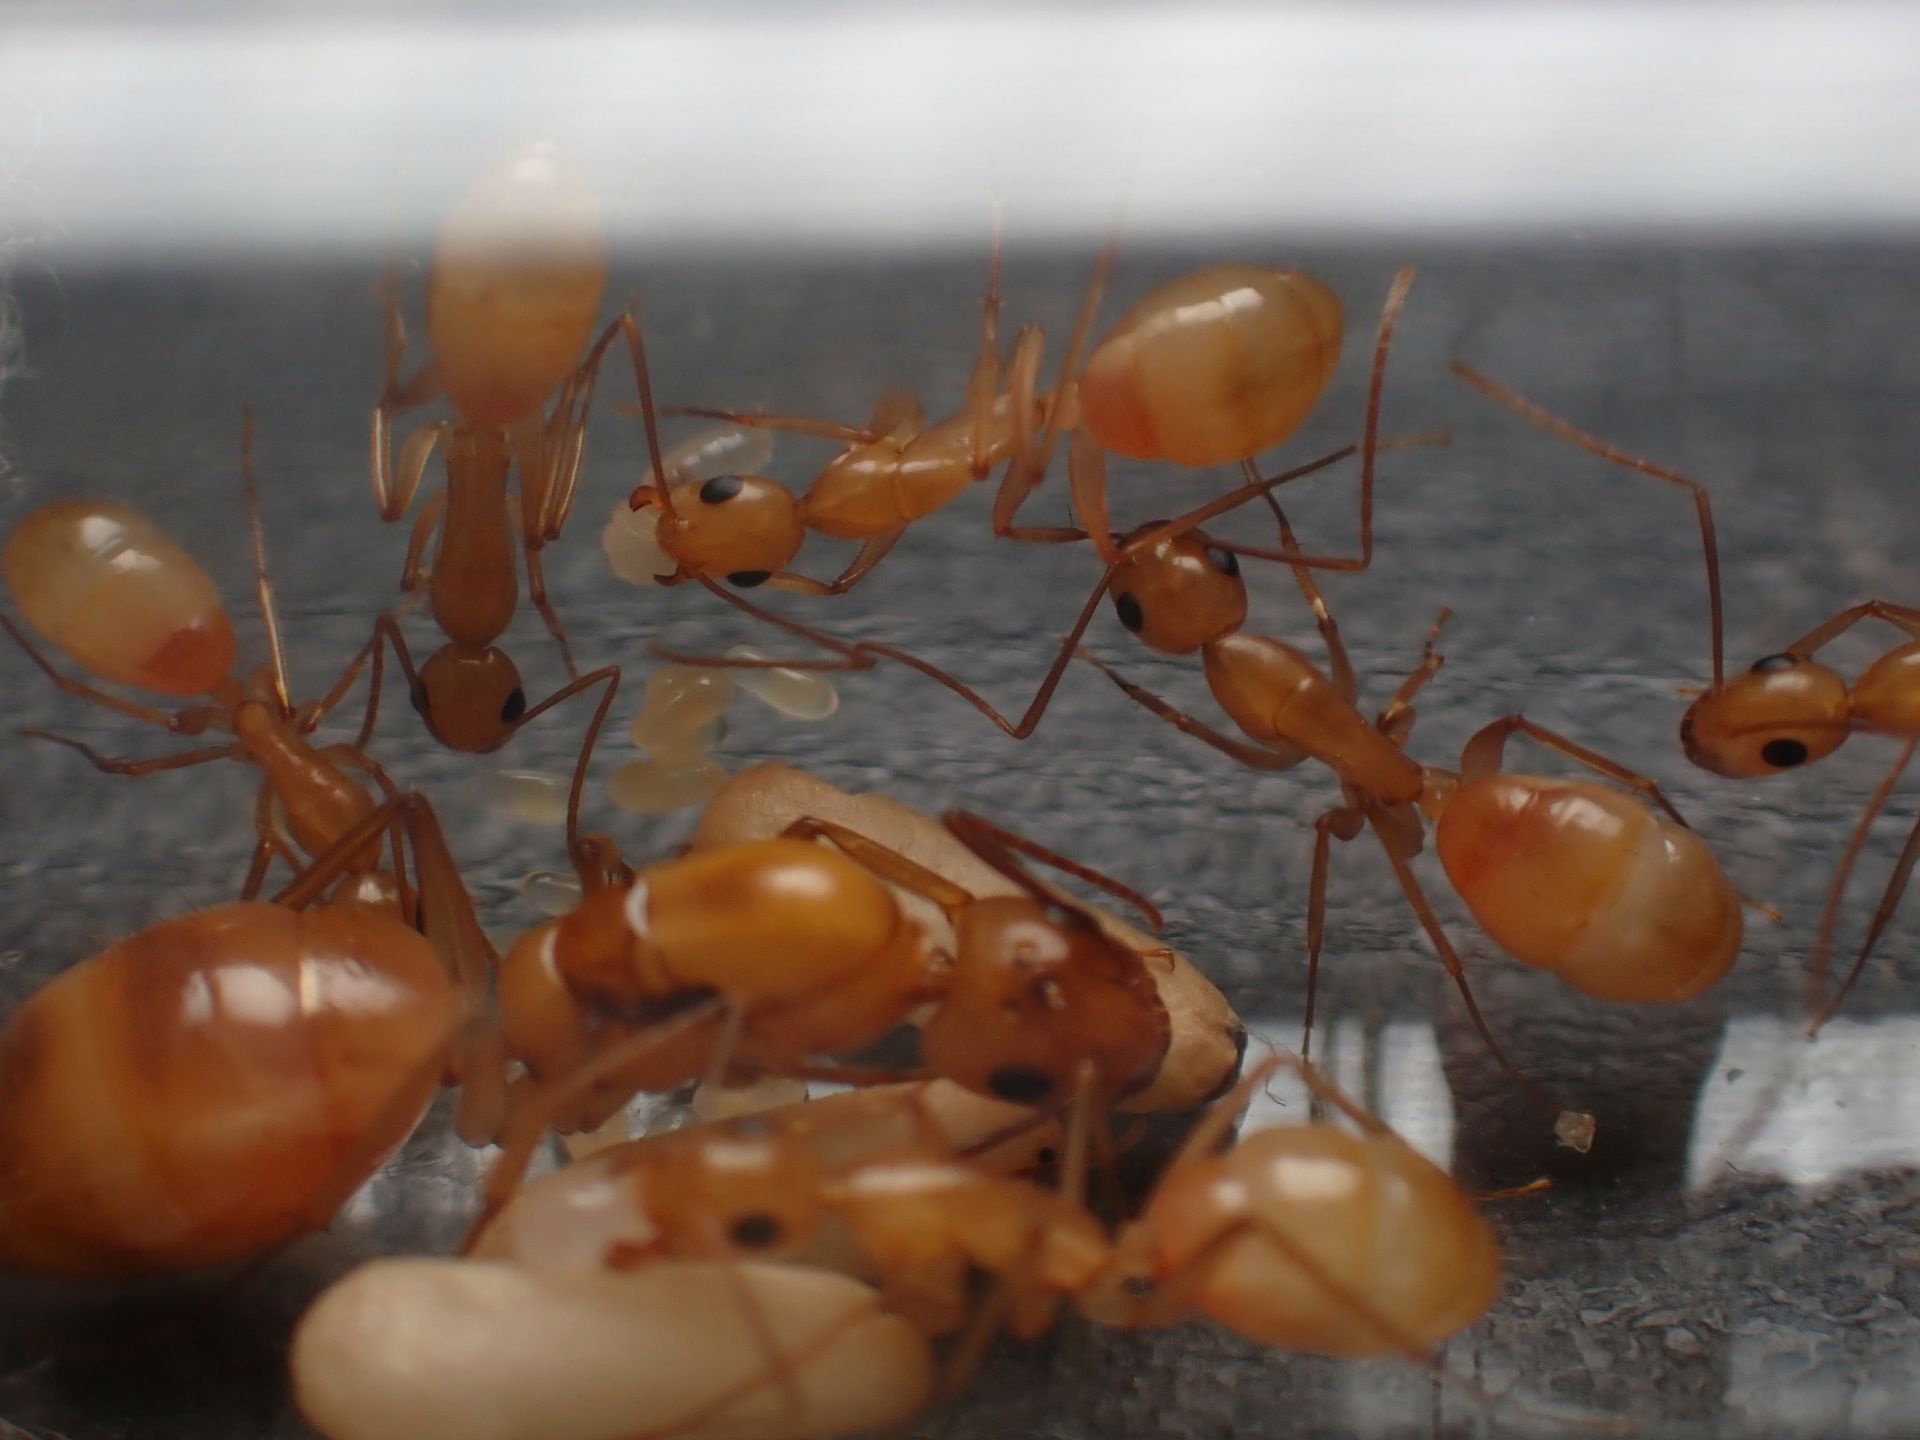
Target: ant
x: 1788, y: 709
x: 660, y: 974
x: 268, y: 1056
x: 1622, y: 902
x: 512, y: 295
x: 1127, y: 550
x: 1216, y: 366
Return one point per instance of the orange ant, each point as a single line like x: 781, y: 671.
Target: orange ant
x: 1217, y: 366
x: 1621, y: 902
x: 1132, y: 549
x: 679, y: 950
x: 267, y: 1057
x: 512, y: 296
x: 1788, y: 709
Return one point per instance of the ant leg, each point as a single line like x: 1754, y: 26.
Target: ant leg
x: 886, y: 862
x: 1343, y: 823
x: 1397, y: 719
x: 1022, y: 479
x: 608, y: 675
x: 276, y: 653
x: 1260, y: 757
x: 194, y: 720
x: 1902, y: 616
x: 541, y: 1103
x: 863, y: 656
x: 395, y: 482
x: 1544, y: 419
x: 1889, y: 900
x: 1339, y: 666
x: 537, y: 593
x: 556, y: 447
x: 1485, y: 750
x: 424, y: 527
x: 314, y: 711
x: 762, y: 420
x: 897, y: 416
x: 983, y: 385
x: 267, y: 846
x: 153, y: 766
x: 1574, y: 1128
x: 871, y: 553
x: 992, y: 843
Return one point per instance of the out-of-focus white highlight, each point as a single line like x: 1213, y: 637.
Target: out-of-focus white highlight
x: 1777, y: 1106
x: 1395, y: 1071
x: 783, y: 124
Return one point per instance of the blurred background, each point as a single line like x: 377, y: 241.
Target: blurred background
x: 1691, y: 228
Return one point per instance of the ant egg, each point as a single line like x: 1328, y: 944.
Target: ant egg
x: 726, y: 1102
x: 551, y: 892
x: 632, y: 545
x: 682, y: 702
x: 689, y: 748
x: 794, y: 693
x: 525, y: 795
x: 653, y: 787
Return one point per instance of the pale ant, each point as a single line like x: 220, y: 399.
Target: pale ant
x: 513, y: 294
x: 1787, y: 710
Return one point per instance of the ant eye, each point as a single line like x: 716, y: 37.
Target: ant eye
x: 1046, y: 1155
x: 1020, y: 1084
x: 1128, y: 609
x: 417, y: 693
x: 515, y: 707
x: 748, y: 579
x: 1784, y: 754
x: 1768, y: 664
x: 756, y: 1231
x: 720, y: 489
x: 1225, y: 561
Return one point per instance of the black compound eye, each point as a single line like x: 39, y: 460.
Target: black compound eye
x: 720, y: 489
x: 756, y: 1231
x: 1225, y: 561
x: 515, y: 707
x: 748, y: 579
x: 1020, y: 1084
x: 1769, y: 664
x: 1784, y: 754
x: 1128, y: 609
x: 1046, y: 1155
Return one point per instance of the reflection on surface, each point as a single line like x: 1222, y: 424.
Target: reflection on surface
x: 1393, y: 1070
x: 1776, y: 1104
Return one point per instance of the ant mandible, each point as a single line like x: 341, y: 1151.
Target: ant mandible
x: 1787, y: 710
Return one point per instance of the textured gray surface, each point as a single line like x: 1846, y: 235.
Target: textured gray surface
x: 1738, y: 1253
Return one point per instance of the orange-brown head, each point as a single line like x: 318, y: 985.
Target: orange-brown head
x: 743, y: 529
x: 470, y: 699
x: 1183, y: 593
x: 1783, y: 713
x: 1037, y: 990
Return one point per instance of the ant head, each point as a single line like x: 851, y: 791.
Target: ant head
x: 470, y: 699
x: 1181, y: 594
x: 1784, y: 712
x: 1037, y: 989
x: 743, y: 529
x: 743, y: 1188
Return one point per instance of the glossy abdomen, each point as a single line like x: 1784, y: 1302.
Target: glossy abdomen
x: 1214, y: 367
x: 1587, y: 883
x: 191, y: 1094
x: 104, y: 584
